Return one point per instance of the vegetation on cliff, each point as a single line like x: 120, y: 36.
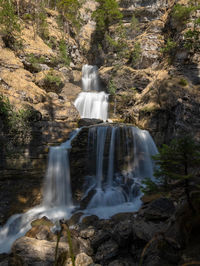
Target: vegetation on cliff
x: 178, y: 161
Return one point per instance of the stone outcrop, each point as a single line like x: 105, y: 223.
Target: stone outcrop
x: 29, y: 251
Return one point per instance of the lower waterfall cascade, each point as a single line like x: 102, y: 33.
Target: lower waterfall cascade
x: 119, y: 159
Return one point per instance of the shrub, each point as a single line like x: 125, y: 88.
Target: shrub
x: 134, y: 24
x: 52, y: 79
x: 136, y: 54
x: 15, y: 122
x: 33, y: 62
x: 192, y: 37
x: 52, y: 82
x: 181, y: 13
x: 169, y: 48
x: 64, y: 54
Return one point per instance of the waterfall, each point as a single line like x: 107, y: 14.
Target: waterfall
x: 116, y: 182
x: 119, y: 159
x: 57, y: 199
x: 90, y: 79
x: 91, y: 103
x: 57, y: 191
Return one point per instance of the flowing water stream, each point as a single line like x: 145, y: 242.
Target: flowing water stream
x: 120, y: 157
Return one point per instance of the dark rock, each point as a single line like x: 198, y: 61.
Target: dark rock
x: 122, y: 233
x: 146, y: 230
x: 106, y: 251
x: 74, y: 219
x: 122, y: 216
x: 84, y: 122
x: 161, y: 251
x: 100, y: 238
x: 159, y: 209
x: 90, y: 220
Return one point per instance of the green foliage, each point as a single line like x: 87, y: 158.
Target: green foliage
x: 112, y: 87
x: 31, y: 58
x: 136, y: 54
x: 70, y: 10
x: 9, y: 22
x: 64, y: 54
x: 192, y: 36
x: 169, y: 48
x: 51, y: 79
x: 134, y: 24
x: 118, y: 44
x: 5, y: 107
x: 149, y: 186
x: 106, y: 14
x: 176, y: 162
x: 15, y: 122
x: 181, y: 13
x: 192, y: 39
x: 183, y: 82
x: 34, y: 62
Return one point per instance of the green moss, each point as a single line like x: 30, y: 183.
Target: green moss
x: 183, y: 82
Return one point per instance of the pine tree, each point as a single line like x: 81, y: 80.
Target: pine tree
x: 70, y: 13
x: 178, y: 162
x: 106, y: 14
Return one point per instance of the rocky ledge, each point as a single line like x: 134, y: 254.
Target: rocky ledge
x: 159, y: 234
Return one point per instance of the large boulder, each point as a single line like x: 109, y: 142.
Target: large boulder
x: 36, y: 252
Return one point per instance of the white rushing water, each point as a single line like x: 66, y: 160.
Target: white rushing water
x: 57, y: 201
x: 91, y: 103
x: 116, y: 182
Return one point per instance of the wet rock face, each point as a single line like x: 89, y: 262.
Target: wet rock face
x: 89, y: 122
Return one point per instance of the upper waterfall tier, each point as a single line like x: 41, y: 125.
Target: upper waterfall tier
x: 90, y: 79
x: 91, y: 103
